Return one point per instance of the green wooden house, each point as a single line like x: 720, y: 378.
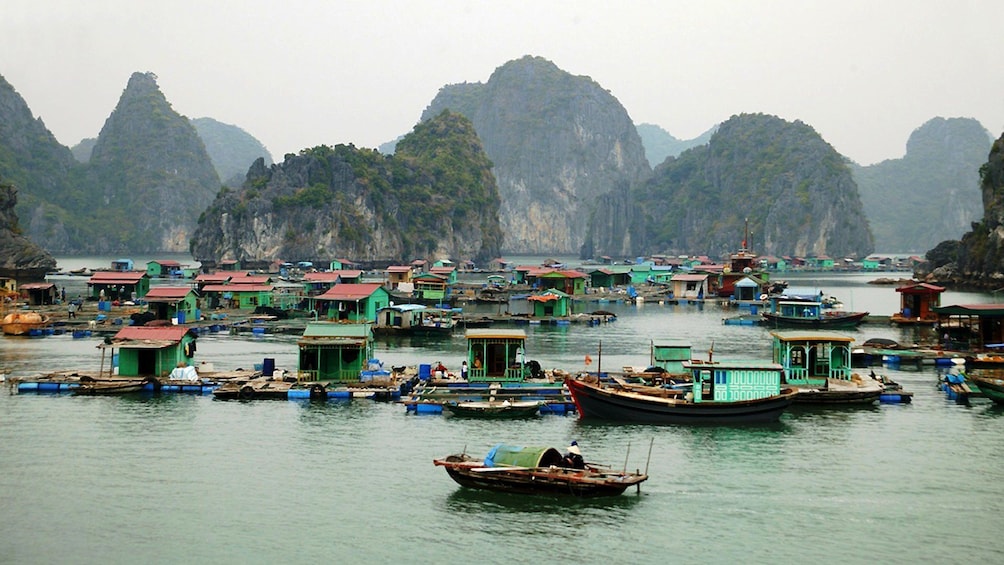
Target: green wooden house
x: 164, y: 269
x: 567, y: 281
x: 350, y: 302
x: 119, y: 285
x: 809, y: 358
x: 178, y: 303
x: 609, y: 277
x: 238, y: 295
x: 733, y: 381
x: 430, y: 286
x: 496, y: 355
x: 550, y: 303
x: 150, y: 351
x: 334, y: 352
x: 341, y: 264
x: 447, y: 272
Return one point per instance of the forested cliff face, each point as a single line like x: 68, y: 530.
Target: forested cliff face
x: 978, y: 260
x: 794, y: 188
x: 557, y: 142
x: 19, y: 258
x: 43, y: 171
x: 932, y: 193
x: 147, y: 179
x: 435, y: 198
x: 231, y: 149
x: 150, y: 171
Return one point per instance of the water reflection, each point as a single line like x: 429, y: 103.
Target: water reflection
x: 567, y: 508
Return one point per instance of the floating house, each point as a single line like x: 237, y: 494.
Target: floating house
x: 122, y: 265
x: 238, y: 295
x: 8, y: 285
x: 750, y: 289
x: 333, y: 352
x: 204, y: 279
x: 431, y: 287
x: 550, y: 303
x: 397, y: 275
x: 119, y: 285
x: 151, y: 351
x: 164, y: 269
x: 40, y: 293
x: 449, y: 273
x: 690, y: 286
x: 973, y: 326
x: 320, y: 282
x: 353, y: 302
x: 177, y: 303
x: 568, y: 281
x: 340, y: 264
x: 496, y: 355
x: 230, y: 265
x: 810, y: 358
x: 609, y: 277
x: 917, y: 304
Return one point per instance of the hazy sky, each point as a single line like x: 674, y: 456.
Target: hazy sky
x: 296, y: 74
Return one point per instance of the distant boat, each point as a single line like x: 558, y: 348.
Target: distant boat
x: 535, y: 470
x: 796, y: 312
x: 21, y: 323
x: 991, y: 387
x: 92, y: 387
x: 494, y: 408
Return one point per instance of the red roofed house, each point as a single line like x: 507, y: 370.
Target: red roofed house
x: 151, y: 351
x: 119, y: 285
x: 238, y: 295
x: 170, y: 302
x: 917, y: 303
x: 319, y: 282
x: 354, y: 302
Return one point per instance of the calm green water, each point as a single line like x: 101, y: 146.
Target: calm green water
x: 189, y: 479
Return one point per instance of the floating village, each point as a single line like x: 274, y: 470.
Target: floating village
x: 147, y: 324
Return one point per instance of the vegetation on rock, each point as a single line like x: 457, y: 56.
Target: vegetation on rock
x: 435, y: 198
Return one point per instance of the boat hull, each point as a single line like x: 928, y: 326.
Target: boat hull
x: 828, y: 321
x: 495, y: 409
x: 991, y: 388
x: 596, y: 402
x: 538, y: 480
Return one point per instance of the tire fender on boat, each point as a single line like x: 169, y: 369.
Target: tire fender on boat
x: 246, y: 392
x: 317, y: 391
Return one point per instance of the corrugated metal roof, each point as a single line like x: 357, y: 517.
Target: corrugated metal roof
x: 170, y: 292
x: 238, y: 288
x: 117, y: 277
x: 335, y: 330
x: 350, y: 291
x: 493, y: 333
x: 819, y: 335
x: 154, y: 333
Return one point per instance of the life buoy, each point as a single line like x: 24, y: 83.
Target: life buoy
x: 763, y: 296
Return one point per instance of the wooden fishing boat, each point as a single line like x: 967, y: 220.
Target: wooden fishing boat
x: 736, y: 393
x: 795, y: 310
x: 20, y: 323
x: 535, y: 470
x: 494, y: 408
x: 95, y: 387
x: 991, y: 387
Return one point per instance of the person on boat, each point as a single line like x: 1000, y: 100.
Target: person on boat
x: 441, y: 369
x: 463, y: 370
x: 71, y: 310
x: 477, y: 361
x: 573, y: 458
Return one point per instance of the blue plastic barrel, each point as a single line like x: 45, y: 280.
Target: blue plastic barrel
x: 27, y: 387
x: 424, y: 372
x: 298, y: 394
x: 258, y: 331
x: 268, y: 367
x: 428, y: 409
x: 181, y: 316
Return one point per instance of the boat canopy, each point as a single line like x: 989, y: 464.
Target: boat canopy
x: 516, y: 456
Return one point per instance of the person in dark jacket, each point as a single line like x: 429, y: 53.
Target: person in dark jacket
x: 573, y: 459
